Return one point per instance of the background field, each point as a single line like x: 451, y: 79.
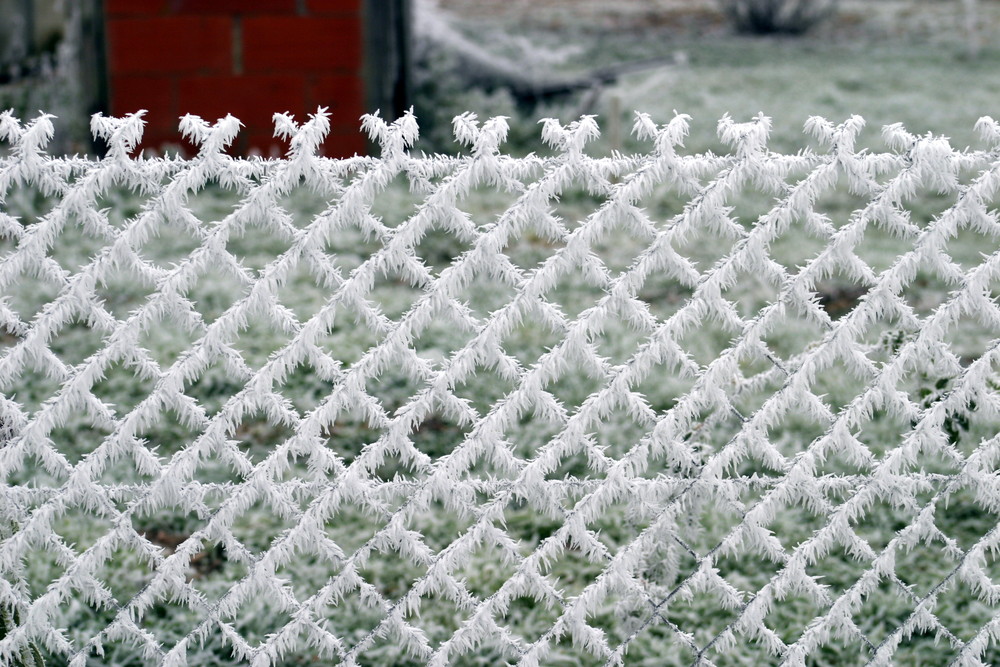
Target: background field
x: 858, y: 65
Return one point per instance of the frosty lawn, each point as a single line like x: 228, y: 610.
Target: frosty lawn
x: 963, y: 505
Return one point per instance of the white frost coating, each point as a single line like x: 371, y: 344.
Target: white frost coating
x: 918, y: 164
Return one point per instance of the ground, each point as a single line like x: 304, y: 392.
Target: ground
x: 873, y: 65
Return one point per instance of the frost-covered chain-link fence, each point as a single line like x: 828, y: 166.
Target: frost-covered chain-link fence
x: 660, y: 408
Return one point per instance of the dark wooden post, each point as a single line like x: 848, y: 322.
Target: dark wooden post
x: 387, y: 25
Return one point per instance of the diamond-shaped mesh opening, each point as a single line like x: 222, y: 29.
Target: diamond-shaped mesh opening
x: 885, y: 517
x: 790, y: 615
x: 962, y: 516
x: 483, y: 388
x: 212, y: 202
x: 570, y: 569
x: 76, y: 341
x: 213, y: 387
x: 574, y: 206
x: 574, y: 385
x: 351, y: 529
x: 883, y: 610
x: 167, y: 528
x: 261, y: 614
x: 169, y: 433
x: 485, y: 295
x: 28, y: 203
x: 257, y: 246
x: 540, y: 239
x: 962, y: 611
x: 170, y: 244
x: 790, y: 435
x: 214, y: 290
x: 121, y: 292
x: 257, y: 435
x: 349, y: 435
x: 125, y: 572
x: 438, y: 436
x: 924, y: 566
x: 393, y: 389
x: 33, y: 473
x: 529, y: 618
x: 663, y: 386
x: 438, y: 617
x: 304, y: 203
x: 664, y: 295
x: 800, y: 243
x: 576, y: 289
x: 123, y: 206
x: 80, y: 529
x: 486, y: 570
x: 27, y: 303
x: 123, y: 387
x: 882, y: 245
x: 350, y: 337
x: 750, y: 292
x: 752, y: 567
x: 81, y: 435
x: 440, y: 337
x: 750, y: 204
x: 348, y: 243
x: 171, y: 621
x: 929, y: 204
x: 486, y: 204
x: 168, y: 339
x: 261, y: 524
x: 618, y: 341
x: 306, y: 387
x: 619, y: 247
x: 441, y: 245
x: 530, y: 339
x: 82, y: 243
x: 39, y: 566
x: 969, y: 247
x: 926, y: 292
x: 394, y: 293
x: 305, y: 290
x: 259, y: 340
x: 702, y: 615
x: 838, y: 384
x: 391, y: 573
x: 884, y: 431
x: 925, y: 644
x: 839, y: 297
x: 970, y: 337
x: 396, y: 203
x: 706, y: 342
x: 836, y: 567
x: 619, y: 432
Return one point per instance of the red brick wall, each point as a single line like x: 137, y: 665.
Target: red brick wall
x: 250, y: 58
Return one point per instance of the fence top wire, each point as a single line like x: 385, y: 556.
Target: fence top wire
x: 664, y: 478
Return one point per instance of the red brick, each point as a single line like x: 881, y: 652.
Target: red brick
x: 281, y: 44
x: 174, y: 44
x: 343, y: 95
x: 156, y: 94
x: 334, y: 6
x: 157, y: 140
x: 252, y: 99
x: 134, y: 7
x: 344, y: 141
x: 234, y: 6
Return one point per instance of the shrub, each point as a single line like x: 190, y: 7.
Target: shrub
x: 767, y: 17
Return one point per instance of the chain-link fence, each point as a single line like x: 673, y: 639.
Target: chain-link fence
x: 562, y: 409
